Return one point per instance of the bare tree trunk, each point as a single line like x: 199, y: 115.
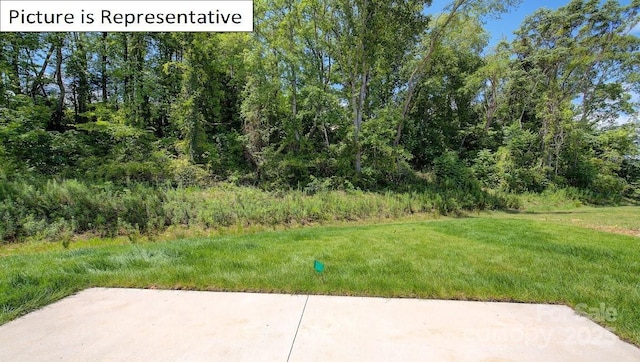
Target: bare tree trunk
x: 15, y: 67
x: 422, y: 68
x: 55, y: 123
x: 359, y: 111
x: 294, y: 106
x: 37, y: 83
x: 326, y: 135
x: 492, y: 103
x: 359, y: 101
x: 103, y: 68
x: 127, y: 72
x: 83, y: 82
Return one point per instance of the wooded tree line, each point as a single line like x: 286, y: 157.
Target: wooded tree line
x: 371, y: 93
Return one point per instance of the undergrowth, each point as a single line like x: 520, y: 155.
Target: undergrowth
x: 57, y: 210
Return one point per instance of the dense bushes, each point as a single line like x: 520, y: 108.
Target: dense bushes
x: 452, y: 174
x: 58, y: 209
x: 54, y: 210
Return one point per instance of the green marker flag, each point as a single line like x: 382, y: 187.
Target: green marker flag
x: 318, y: 266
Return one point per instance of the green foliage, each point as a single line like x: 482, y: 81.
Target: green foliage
x: 56, y: 210
x: 29, y: 147
x: 443, y: 116
x: 514, y: 176
x: 459, y: 189
x: 381, y: 160
x: 451, y: 173
x: 630, y: 172
x: 552, y: 198
x: 324, y: 96
x: 607, y: 189
x: 484, y: 169
x: 182, y: 173
x: 131, y: 172
x: 518, y: 167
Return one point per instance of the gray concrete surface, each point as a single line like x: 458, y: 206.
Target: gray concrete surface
x: 142, y: 325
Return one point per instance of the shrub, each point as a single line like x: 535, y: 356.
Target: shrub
x: 131, y: 171
x: 451, y: 173
x: 484, y: 168
x: 514, y: 176
x: 185, y: 174
x: 55, y: 209
x: 608, y: 188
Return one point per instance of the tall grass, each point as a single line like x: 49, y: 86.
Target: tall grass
x: 55, y: 210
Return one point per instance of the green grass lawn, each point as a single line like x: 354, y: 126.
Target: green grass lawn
x: 499, y: 257
x: 621, y: 220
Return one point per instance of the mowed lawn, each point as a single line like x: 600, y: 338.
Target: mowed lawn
x: 499, y: 257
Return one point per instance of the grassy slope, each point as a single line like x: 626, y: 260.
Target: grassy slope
x: 499, y: 257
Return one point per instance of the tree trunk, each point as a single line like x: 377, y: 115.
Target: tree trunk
x: 83, y: 82
x: 103, y: 68
x: 55, y: 123
x: 491, y: 103
x: 15, y: 67
x: 359, y: 111
x: 422, y: 68
x: 141, y: 106
x: 127, y: 68
x: 37, y: 82
x: 294, y: 106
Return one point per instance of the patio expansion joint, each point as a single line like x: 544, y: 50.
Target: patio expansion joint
x: 298, y: 328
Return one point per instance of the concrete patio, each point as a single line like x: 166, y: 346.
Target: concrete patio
x: 103, y: 324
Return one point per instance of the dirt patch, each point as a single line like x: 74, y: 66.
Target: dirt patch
x: 615, y: 230
x: 608, y: 228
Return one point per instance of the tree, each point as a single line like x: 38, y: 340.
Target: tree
x: 579, y: 62
x: 492, y: 79
x: 444, y: 116
x: 478, y: 10
x: 374, y: 38
x: 291, y: 106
